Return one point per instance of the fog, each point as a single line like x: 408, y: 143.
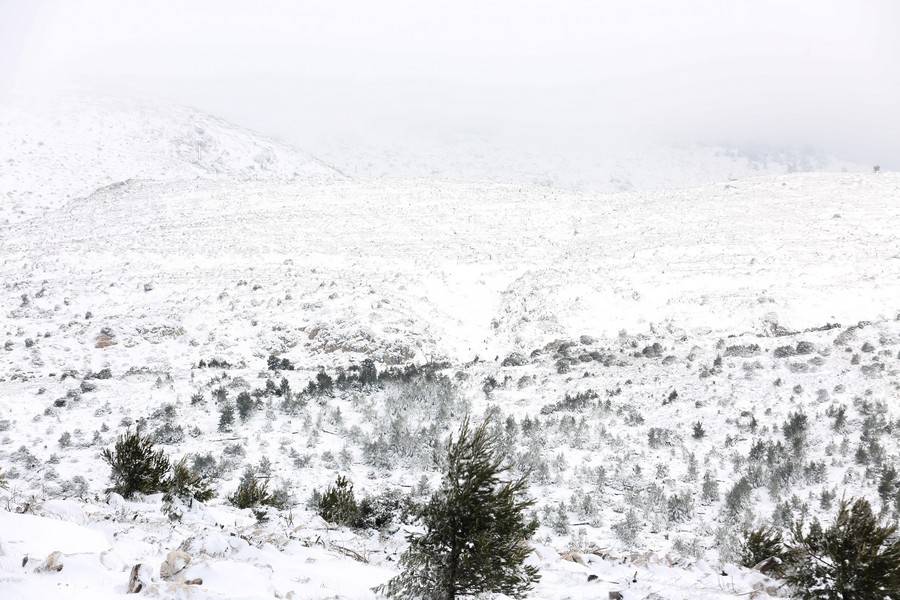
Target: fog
x: 820, y: 74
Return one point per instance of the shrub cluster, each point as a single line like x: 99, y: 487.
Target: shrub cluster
x: 855, y: 557
x: 137, y: 467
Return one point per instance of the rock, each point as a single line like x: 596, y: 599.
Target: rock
x: 195, y: 581
x: 784, y: 351
x: 176, y: 561
x: 101, y: 374
x: 616, y: 596
x: 87, y: 387
x: 742, y: 350
x: 116, y: 501
x: 768, y: 565
x: 652, y: 351
x: 148, y: 287
x: 592, y: 577
x: 515, y: 359
x: 104, y: 340
x: 52, y: 564
x: 573, y: 557
x: 139, y: 579
x: 587, y: 340
x: 805, y: 347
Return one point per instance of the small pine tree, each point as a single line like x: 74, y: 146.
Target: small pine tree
x: 245, y: 405
x: 627, y: 530
x: 710, y: 490
x: 887, y: 485
x: 338, y: 504
x: 699, y: 432
x: 854, y: 558
x: 252, y: 492
x: 136, y: 466
x: 226, y: 417
x: 476, y: 533
x: 187, y: 484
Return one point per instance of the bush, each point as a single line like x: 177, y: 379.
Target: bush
x: 710, y: 489
x: 680, y: 507
x: 476, y: 534
x: 627, y: 530
x: 338, y: 504
x: 187, y: 484
x: 854, y: 558
x: 273, y: 363
x: 378, y: 512
x: 794, y: 430
x: 226, y: 417
x: 136, y: 466
x: 245, y: 405
x: 699, y: 432
x: 739, y: 496
x: 253, y: 492
x: 761, y: 544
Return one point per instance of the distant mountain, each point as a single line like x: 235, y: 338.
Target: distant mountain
x: 593, y: 165
x: 52, y: 151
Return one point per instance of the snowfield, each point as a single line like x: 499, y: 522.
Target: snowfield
x: 596, y: 328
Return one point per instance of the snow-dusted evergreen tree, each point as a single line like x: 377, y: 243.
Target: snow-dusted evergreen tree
x: 476, y: 530
x: 136, y: 466
x: 856, y: 557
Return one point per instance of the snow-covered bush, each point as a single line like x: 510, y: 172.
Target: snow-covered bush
x: 136, y: 465
x: 187, y: 484
x: 856, y: 557
x: 338, y: 504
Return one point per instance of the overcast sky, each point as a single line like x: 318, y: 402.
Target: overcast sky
x: 818, y: 72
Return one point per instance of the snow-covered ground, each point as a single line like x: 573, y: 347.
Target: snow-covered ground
x: 664, y: 308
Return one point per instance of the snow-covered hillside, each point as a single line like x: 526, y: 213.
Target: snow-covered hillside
x: 56, y: 150
x: 575, y: 161
x: 596, y: 330
x: 411, y: 270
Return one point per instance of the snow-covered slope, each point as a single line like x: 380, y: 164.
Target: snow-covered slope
x: 606, y: 327
x: 55, y: 150
x: 428, y: 269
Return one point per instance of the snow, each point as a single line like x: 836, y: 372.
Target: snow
x: 53, y: 151
x: 39, y: 536
x: 111, y: 228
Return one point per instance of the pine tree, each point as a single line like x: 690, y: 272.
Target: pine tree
x: 854, y: 558
x: 187, y: 484
x: 252, y: 492
x: 245, y: 405
x: 226, y: 417
x: 338, y: 503
x: 476, y: 532
x: 136, y: 466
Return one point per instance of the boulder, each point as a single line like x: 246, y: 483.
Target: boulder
x: 176, y: 561
x: 768, y: 565
x: 52, y: 564
x: 139, y: 578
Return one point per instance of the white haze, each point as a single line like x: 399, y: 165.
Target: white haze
x: 561, y: 75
